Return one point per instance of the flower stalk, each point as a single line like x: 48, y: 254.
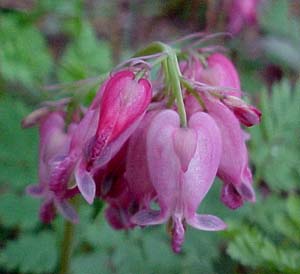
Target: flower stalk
x: 66, y: 247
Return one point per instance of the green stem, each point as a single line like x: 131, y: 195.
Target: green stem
x: 66, y: 247
x: 172, y: 71
x: 192, y: 91
x: 175, y: 74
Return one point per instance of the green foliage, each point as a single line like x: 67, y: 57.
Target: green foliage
x: 22, y: 207
x: 254, y: 249
x: 24, y: 55
x: 275, y: 143
x: 143, y: 251
x: 18, y: 147
x: 31, y: 253
x: 267, y: 238
x: 85, y: 57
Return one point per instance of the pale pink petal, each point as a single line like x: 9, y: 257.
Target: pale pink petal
x: 85, y: 183
x: 203, y: 166
x: 185, y: 143
x: 207, y: 222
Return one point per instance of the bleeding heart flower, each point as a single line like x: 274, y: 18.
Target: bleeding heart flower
x: 137, y: 171
x: 242, y: 14
x: 220, y: 72
x: 123, y: 104
x: 233, y: 169
x: 183, y: 163
x: 54, y: 144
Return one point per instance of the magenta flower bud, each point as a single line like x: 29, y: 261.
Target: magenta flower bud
x: 182, y: 164
x: 123, y: 104
x: 247, y: 114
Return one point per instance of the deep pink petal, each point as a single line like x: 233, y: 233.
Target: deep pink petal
x: 124, y: 99
x: 178, y: 232
x: 247, y: 114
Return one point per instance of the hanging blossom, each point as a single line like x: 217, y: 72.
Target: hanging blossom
x: 242, y: 14
x: 146, y: 141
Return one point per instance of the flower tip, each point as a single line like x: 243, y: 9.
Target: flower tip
x: 34, y: 190
x: 86, y: 185
x: 34, y: 117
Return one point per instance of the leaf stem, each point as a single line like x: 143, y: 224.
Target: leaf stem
x: 66, y: 247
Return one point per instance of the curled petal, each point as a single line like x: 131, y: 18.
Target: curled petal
x: 149, y: 217
x: 230, y: 197
x: 86, y: 184
x: 206, y: 222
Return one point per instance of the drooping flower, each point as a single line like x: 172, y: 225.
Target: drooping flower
x: 233, y: 169
x: 123, y: 104
x: 225, y: 108
x: 137, y: 171
x: 219, y: 72
x: 182, y: 163
x: 242, y: 14
x: 54, y: 144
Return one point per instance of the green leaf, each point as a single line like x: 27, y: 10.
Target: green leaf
x: 24, y: 55
x: 244, y: 246
x: 85, y: 57
x: 275, y: 143
x: 30, y: 253
x: 277, y: 18
x: 18, y: 211
x: 91, y: 263
x: 293, y: 209
x: 18, y: 147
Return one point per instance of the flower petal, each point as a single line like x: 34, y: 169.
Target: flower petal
x: 206, y: 222
x: 85, y: 183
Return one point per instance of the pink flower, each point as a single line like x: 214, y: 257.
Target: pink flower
x: 54, y: 144
x: 122, y: 206
x: 123, y: 104
x: 242, y: 14
x: 182, y: 163
x: 233, y: 169
x: 137, y: 172
x: 220, y: 72
x: 247, y: 114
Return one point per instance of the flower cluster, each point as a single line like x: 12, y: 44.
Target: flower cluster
x: 150, y: 143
